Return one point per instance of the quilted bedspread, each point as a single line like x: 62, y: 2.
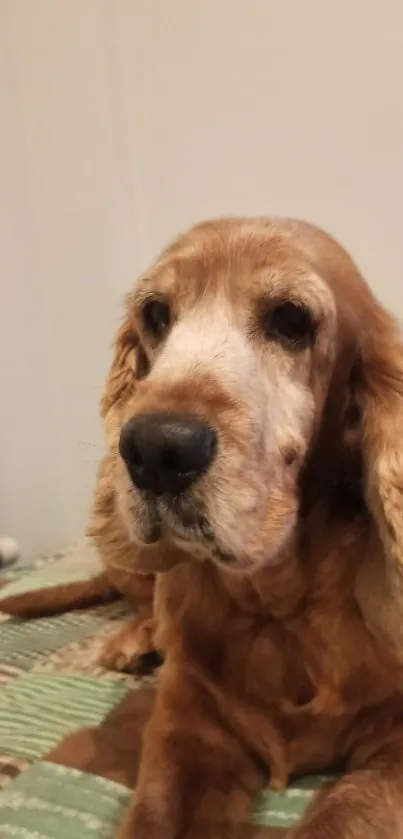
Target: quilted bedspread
x: 70, y: 730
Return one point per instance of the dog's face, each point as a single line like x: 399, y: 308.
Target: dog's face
x: 236, y: 341
x: 235, y: 344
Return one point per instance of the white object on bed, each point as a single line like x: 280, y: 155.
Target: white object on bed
x: 9, y: 550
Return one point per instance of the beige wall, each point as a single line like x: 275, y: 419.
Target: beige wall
x: 123, y: 121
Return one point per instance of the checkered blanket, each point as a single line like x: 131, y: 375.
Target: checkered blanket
x: 70, y: 731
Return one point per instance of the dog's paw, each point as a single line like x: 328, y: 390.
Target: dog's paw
x: 132, y: 650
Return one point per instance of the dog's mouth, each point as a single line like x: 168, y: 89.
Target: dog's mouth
x: 181, y: 521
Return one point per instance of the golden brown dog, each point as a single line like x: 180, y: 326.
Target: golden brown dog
x: 254, y: 465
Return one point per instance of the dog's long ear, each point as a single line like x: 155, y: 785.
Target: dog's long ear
x: 380, y: 585
x: 106, y: 528
x: 128, y: 365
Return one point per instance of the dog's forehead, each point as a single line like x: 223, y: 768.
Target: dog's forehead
x: 235, y: 255
x: 241, y: 260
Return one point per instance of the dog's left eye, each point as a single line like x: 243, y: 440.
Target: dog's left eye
x: 157, y: 317
x: 290, y: 323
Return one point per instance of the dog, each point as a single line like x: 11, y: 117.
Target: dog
x: 251, y: 500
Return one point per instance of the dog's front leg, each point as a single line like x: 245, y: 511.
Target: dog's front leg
x: 196, y: 781
x: 364, y: 804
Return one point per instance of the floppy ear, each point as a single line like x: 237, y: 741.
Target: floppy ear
x: 106, y: 529
x: 380, y: 583
x: 128, y: 365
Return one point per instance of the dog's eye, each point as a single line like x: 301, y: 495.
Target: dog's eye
x: 290, y: 323
x: 157, y: 316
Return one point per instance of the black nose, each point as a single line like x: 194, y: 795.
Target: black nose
x: 166, y: 453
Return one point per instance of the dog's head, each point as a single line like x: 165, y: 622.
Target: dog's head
x: 254, y: 372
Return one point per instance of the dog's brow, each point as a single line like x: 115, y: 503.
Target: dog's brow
x: 146, y: 288
x: 304, y: 289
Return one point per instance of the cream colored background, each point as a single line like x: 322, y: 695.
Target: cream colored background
x: 123, y: 121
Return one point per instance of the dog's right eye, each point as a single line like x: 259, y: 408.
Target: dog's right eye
x: 290, y: 323
x: 157, y: 317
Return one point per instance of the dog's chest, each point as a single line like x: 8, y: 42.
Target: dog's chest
x: 319, y: 656
x: 313, y: 679
x: 300, y: 681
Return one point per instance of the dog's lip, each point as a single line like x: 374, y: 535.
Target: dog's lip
x: 189, y: 519
x: 154, y: 534
x: 222, y: 558
x: 226, y: 558
x: 188, y: 515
